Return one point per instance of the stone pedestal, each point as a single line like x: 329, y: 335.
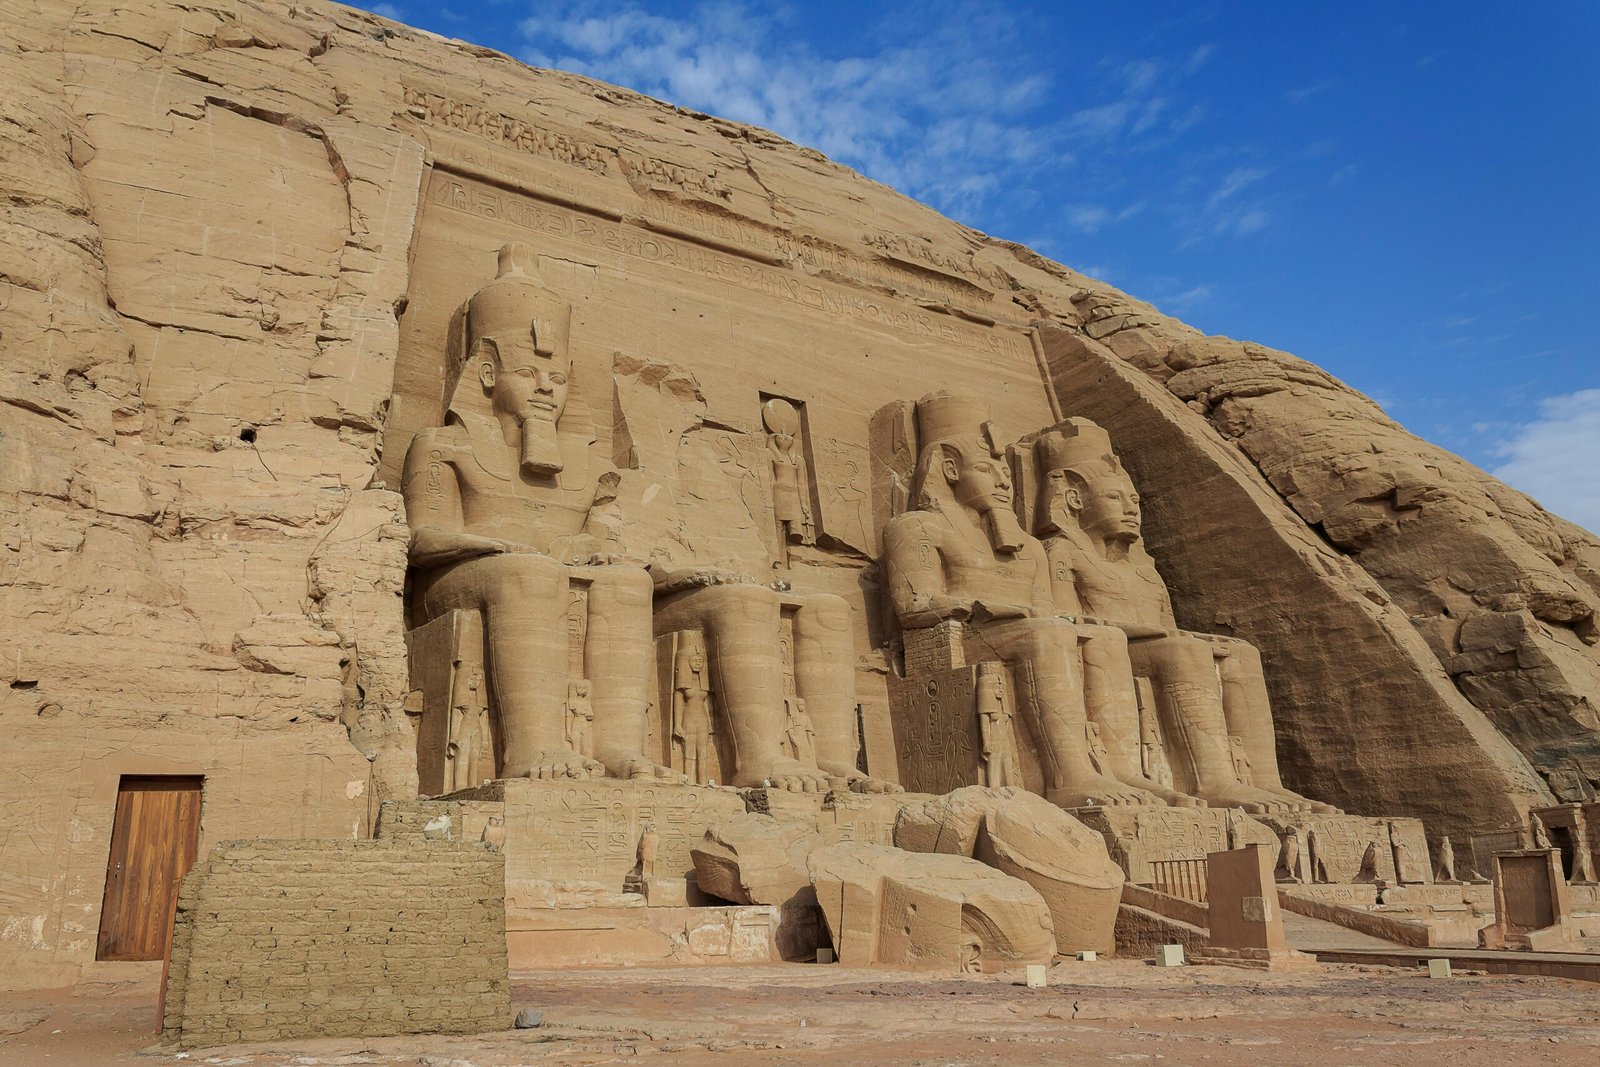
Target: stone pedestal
x: 1530, y: 902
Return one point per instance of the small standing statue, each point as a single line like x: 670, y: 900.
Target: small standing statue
x: 790, y: 484
x: 1582, y: 865
x: 1289, y: 857
x: 691, y: 707
x: 1234, y: 827
x: 1241, y: 759
x: 649, y: 845
x: 995, y: 728
x: 1405, y: 871
x: 1369, y: 864
x: 468, y: 748
x: 1541, y: 836
x: 801, y: 732
x: 1315, y: 860
x: 1447, y: 862
x: 1099, y: 755
x: 580, y: 719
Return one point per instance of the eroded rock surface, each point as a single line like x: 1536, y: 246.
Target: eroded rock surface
x: 231, y: 242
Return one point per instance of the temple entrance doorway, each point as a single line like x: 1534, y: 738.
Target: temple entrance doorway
x: 155, y: 836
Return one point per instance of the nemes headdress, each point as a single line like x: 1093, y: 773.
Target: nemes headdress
x: 515, y: 303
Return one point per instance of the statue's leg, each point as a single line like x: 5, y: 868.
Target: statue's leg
x: 1045, y: 669
x: 523, y: 599
x: 741, y: 624
x: 1189, y: 698
x: 1248, y: 709
x: 1113, y: 703
x: 825, y: 677
x: 619, y: 660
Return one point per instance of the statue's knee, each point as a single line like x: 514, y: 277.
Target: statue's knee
x: 733, y: 604
x: 630, y: 586
x: 522, y: 577
x: 827, y: 611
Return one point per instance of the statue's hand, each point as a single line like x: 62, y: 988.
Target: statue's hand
x: 930, y: 609
x: 1137, y: 630
x: 681, y: 578
x: 987, y: 610
x: 576, y: 549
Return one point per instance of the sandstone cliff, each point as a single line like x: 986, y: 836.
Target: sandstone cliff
x: 210, y: 259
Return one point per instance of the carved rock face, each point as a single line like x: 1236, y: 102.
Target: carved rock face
x: 526, y: 384
x: 1110, y: 508
x: 981, y: 482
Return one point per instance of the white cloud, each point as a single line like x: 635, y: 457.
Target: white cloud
x: 947, y: 108
x: 388, y: 11
x: 1237, y: 179
x: 1552, y: 458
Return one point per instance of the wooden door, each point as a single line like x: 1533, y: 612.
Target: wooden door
x: 154, y: 839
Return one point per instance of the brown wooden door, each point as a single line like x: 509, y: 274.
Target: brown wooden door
x: 154, y: 838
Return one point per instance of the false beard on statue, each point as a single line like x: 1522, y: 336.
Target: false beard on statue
x: 541, y: 450
x: 1005, y: 532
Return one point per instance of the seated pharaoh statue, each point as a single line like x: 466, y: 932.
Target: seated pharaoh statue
x: 960, y: 555
x: 1210, y: 696
x: 511, y: 508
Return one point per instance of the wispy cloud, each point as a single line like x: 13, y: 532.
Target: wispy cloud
x: 1552, y: 457
x: 1238, y: 179
x: 950, y: 109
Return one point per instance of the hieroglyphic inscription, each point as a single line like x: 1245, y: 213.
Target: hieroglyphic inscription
x: 577, y: 628
x: 590, y: 831
x: 926, y: 253
x: 1342, y: 841
x: 525, y: 213
x: 938, y: 746
x: 530, y: 137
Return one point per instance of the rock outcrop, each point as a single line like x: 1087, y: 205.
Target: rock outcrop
x: 231, y: 242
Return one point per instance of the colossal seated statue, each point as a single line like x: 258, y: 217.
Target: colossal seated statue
x: 961, y: 554
x: 1209, y: 691
x: 498, y: 499
x: 511, y: 510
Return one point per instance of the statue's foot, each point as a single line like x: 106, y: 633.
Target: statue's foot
x: 1099, y: 791
x: 862, y: 783
x: 640, y: 769
x: 1303, y: 804
x: 784, y: 773
x: 557, y: 766
x: 1171, y: 796
x: 1253, y: 800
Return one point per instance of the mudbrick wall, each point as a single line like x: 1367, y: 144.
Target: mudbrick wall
x: 338, y: 938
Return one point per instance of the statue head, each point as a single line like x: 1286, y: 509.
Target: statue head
x: 517, y: 358
x: 962, y: 465
x: 1083, y: 484
x: 991, y: 680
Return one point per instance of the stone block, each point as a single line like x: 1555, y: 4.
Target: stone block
x: 887, y: 906
x: 1169, y: 956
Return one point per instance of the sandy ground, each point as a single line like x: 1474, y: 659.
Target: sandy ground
x: 1111, y: 1012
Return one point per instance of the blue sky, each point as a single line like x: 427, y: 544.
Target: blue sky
x: 1405, y: 194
